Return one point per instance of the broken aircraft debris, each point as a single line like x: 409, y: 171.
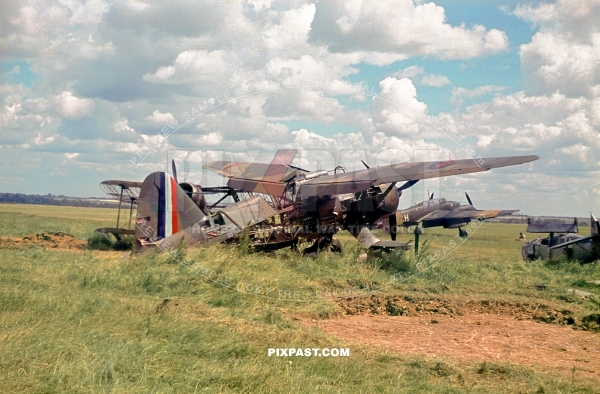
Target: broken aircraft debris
x: 280, y: 205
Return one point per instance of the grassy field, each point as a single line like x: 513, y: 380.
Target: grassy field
x: 90, y: 321
x: 21, y: 220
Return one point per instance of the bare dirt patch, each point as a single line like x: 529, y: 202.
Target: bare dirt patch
x: 45, y: 239
x: 491, y: 338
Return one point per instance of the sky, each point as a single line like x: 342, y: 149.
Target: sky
x: 95, y: 90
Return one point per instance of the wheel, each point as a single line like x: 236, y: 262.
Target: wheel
x: 336, y: 245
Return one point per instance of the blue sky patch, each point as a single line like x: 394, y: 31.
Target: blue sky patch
x: 499, y: 70
x: 18, y: 73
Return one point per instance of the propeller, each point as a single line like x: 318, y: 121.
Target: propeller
x: 392, y: 218
x: 407, y: 185
x: 174, y: 169
x: 393, y: 226
x: 469, y: 199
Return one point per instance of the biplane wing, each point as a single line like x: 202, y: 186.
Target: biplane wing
x: 122, y: 191
x: 357, y: 181
x: 125, y: 191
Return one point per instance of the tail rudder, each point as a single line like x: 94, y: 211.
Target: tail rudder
x: 594, y: 225
x: 164, y: 209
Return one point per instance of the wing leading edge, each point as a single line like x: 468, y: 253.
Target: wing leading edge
x: 356, y: 181
x: 272, y: 178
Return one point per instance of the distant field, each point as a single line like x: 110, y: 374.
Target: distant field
x: 25, y: 219
x: 90, y: 321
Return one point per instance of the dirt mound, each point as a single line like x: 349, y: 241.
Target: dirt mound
x: 591, y: 322
x: 45, y: 239
x: 409, y: 306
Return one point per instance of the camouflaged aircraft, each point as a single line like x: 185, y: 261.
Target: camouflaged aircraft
x: 279, y: 205
x: 439, y: 212
x: 562, y: 241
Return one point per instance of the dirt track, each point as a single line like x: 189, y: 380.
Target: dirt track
x: 483, y: 337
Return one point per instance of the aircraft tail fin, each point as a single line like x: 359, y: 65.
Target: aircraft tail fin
x: 174, y: 169
x: 164, y: 209
x: 594, y: 225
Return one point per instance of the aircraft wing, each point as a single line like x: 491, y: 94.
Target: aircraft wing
x: 573, y: 241
x: 435, y: 215
x: 473, y: 214
x: 259, y: 177
x: 594, y: 230
x: 357, y: 181
x: 482, y: 214
x: 125, y: 191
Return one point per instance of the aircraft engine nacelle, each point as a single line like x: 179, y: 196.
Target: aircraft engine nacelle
x: 390, y: 202
x: 195, y: 193
x: 454, y: 223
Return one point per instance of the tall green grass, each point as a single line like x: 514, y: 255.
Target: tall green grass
x: 87, y: 322
x: 93, y: 321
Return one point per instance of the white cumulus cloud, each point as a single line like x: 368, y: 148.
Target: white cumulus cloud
x: 402, y: 28
x: 396, y: 110
x: 435, y: 80
x: 74, y: 107
x: 563, y: 55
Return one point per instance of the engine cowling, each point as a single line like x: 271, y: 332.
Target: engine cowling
x: 194, y: 192
x: 390, y: 202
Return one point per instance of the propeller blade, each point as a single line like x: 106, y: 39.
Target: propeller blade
x: 393, y: 226
x: 407, y: 185
x: 468, y: 199
x: 174, y: 169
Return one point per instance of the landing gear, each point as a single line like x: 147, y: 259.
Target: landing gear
x: 462, y: 233
x: 321, y: 243
x: 417, y: 232
x: 393, y: 227
x: 336, y: 245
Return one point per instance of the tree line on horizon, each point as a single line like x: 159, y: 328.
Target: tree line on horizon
x: 50, y: 199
